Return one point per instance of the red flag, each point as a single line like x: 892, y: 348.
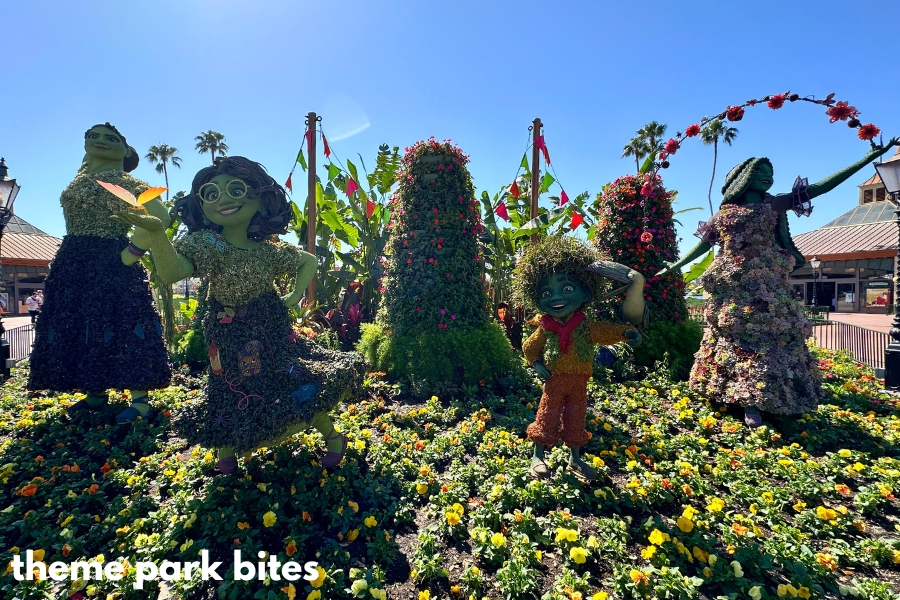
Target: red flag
x: 287, y: 183
x: 351, y: 186
x: 539, y: 143
x: 502, y: 212
x: 308, y: 139
x: 325, y: 146
x: 563, y: 198
x: 514, y: 189
x: 577, y: 220
x: 370, y: 208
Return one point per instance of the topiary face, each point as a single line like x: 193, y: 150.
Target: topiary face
x: 228, y: 201
x: 555, y: 256
x: 105, y: 144
x: 561, y: 294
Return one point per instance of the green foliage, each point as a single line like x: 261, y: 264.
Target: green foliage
x: 467, y: 356
x: 189, y: 348
x: 631, y: 207
x: 674, y: 344
x: 435, y: 309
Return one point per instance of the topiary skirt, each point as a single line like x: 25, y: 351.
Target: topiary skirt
x: 265, y: 381
x: 98, y: 329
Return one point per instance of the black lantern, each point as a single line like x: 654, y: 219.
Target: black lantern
x: 889, y: 172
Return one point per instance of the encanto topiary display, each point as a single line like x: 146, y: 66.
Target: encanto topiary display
x: 754, y: 351
x: 635, y: 227
x: 89, y: 346
x: 265, y: 381
x: 559, y: 277
x: 434, y: 325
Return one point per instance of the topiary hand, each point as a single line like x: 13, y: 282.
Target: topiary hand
x: 634, y: 338
x: 542, y: 371
x: 141, y: 219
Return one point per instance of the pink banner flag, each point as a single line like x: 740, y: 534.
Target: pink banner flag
x: 351, y: 187
x: 502, y: 212
x: 563, y: 198
x: 325, y: 146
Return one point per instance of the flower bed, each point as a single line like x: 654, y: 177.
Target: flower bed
x: 434, y: 499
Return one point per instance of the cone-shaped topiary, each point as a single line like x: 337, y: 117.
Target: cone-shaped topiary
x: 434, y: 324
x: 635, y: 228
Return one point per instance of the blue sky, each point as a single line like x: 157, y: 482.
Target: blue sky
x: 478, y: 72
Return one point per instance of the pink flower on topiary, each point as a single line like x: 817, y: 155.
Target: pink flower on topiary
x: 868, y: 132
x: 776, y: 101
x: 692, y: 130
x: 647, y: 189
x: 734, y: 113
x: 841, y: 112
x: 646, y: 237
x: 671, y: 146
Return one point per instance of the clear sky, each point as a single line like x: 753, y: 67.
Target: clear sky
x: 478, y: 72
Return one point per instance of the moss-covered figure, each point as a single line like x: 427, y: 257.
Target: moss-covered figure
x: 560, y: 277
x: 98, y: 329
x: 435, y: 323
x: 754, y: 350
x: 265, y: 382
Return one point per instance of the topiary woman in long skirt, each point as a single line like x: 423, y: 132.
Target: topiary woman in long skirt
x: 754, y: 350
x: 98, y: 329
x: 265, y: 382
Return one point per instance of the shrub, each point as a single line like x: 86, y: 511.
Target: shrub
x: 672, y: 343
x: 632, y: 209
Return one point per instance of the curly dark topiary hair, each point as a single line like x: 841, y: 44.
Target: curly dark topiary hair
x: 555, y: 254
x: 738, y: 179
x: 130, y: 163
x: 273, y: 216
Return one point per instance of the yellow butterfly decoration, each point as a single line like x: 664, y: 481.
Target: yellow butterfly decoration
x: 122, y: 194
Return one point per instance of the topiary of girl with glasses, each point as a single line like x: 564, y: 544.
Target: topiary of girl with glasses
x: 98, y: 329
x: 265, y: 382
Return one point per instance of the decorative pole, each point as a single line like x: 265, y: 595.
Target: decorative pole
x: 311, y: 120
x: 535, y: 171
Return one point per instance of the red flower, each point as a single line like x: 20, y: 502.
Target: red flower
x: 867, y: 132
x: 752, y: 102
x: 841, y: 112
x: 647, y: 189
x: 671, y: 146
x: 776, y: 101
x: 734, y: 113
x: 646, y: 237
x: 692, y: 130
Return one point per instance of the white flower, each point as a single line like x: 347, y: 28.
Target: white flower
x: 755, y: 592
x: 359, y: 586
x: 736, y: 566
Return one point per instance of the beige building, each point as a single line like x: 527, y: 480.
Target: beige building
x: 25, y: 253
x: 858, y: 251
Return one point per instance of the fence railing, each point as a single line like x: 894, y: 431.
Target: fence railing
x: 817, y: 313
x: 20, y: 340
x: 866, y: 346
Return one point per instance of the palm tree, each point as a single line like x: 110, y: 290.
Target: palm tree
x: 212, y: 142
x: 161, y: 155
x: 637, y: 148
x: 653, y: 133
x: 710, y: 135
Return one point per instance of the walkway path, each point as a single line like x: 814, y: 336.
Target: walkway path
x: 869, y: 321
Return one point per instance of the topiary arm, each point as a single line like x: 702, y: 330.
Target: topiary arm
x: 533, y: 347
x: 170, y: 265
x: 832, y: 181
x: 699, y: 250
x: 305, y: 273
x: 604, y: 334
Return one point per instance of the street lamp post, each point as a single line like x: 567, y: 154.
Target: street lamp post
x: 815, y: 263
x: 9, y: 189
x: 889, y: 172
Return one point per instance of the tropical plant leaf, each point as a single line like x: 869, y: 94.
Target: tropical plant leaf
x: 648, y: 163
x: 698, y: 268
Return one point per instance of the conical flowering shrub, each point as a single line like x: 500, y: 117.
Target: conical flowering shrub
x: 434, y: 324
x: 635, y: 227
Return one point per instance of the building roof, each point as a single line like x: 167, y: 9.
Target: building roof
x: 876, y: 179
x: 869, y: 238
x: 22, y: 241
x: 873, y: 212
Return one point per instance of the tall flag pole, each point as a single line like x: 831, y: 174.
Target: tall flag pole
x: 311, y: 121
x: 535, y: 172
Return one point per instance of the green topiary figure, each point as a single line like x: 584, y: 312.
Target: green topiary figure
x: 435, y: 324
x: 635, y: 227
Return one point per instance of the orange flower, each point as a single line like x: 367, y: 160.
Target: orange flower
x: 243, y: 525
x: 93, y: 489
x: 687, y: 490
x: 739, y: 529
x: 842, y: 489
x: 28, y: 490
x: 306, y: 516
x: 291, y: 548
x: 105, y: 468
x: 75, y: 468
x: 66, y: 549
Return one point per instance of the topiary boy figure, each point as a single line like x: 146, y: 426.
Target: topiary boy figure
x: 559, y: 277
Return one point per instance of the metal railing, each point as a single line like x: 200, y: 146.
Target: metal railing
x: 866, y: 346
x: 818, y: 313
x: 20, y: 340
